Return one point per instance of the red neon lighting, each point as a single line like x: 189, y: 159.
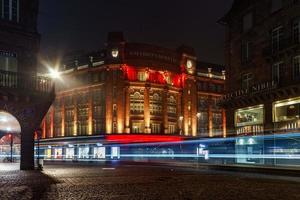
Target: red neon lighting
x: 130, y: 72
x: 177, y: 80
x: 142, y: 138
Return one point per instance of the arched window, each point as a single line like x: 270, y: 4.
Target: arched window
x: 136, y: 95
x: 156, y: 97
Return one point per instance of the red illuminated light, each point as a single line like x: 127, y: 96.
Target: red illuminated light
x: 178, y: 80
x: 142, y: 138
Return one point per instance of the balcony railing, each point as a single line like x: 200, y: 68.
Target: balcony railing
x: 25, y: 82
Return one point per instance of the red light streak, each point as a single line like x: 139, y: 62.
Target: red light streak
x: 142, y: 138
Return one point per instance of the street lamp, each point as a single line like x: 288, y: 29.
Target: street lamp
x: 54, y: 73
x: 11, y: 137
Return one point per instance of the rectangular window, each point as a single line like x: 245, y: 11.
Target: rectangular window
x: 247, y: 22
x: 142, y: 76
x: 6, y: 9
x: 245, y: 51
x: 69, y: 128
x: 217, y: 124
x: 8, y: 61
x: 276, y: 38
x: 137, y: 127
x: 286, y: 110
x: 172, y: 128
x: 99, y: 126
x: 202, y: 124
x: 296, y: 66
x: 14, y: 10
x: 296, y: 30
x: 276, y: 68
x: 1, y: 9
x: 249, y: 116
x: 155, y: 128
x: 247, y: 80
x: 9, y: 10
x: 276, y: 5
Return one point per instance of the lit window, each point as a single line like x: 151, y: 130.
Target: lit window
x: 137, y: 127
x: 217, y: 124
x: 249, y: 116
x: 142, y: 76
x: 202, y: 124
x: 172, y: 128
x: 287, y: 110
x: 155, y: 128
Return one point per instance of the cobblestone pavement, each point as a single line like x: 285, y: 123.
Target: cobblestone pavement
x: 140, y: 182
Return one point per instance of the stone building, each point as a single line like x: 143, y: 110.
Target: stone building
x: 135, y: 89
x: 262, y: 66
x: 24, y: 97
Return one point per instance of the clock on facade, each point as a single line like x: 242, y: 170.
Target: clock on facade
x: 115, y: 53
x: 189, y: 66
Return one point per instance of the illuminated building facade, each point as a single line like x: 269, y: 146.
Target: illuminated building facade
x: 263, y: 67
x: 136, y: 89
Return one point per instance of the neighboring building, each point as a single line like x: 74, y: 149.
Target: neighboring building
x: 24, y: 97
x: 136, y: 89
x: 262, y: 66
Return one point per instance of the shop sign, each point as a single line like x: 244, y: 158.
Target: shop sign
x: 255, y: 89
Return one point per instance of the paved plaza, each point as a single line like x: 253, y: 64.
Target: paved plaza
x: 141, y: 182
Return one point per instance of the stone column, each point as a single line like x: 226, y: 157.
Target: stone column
x: 27, y: 149
x: 224, y: 123
x: 109, y: 101
x: 210, y: 118
x: 147, y: 109
x: 179, y: 113
x: 90, y: 114
x: 268, y: 121
x: 44, y: 128
x: 75, y: 131
x: 63, y: 118
x: 127, y: 109
x: 51, y: 122
x: 165, y: 111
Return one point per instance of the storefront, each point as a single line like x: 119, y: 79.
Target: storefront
x: 286, y: 114
x: 250, y: 120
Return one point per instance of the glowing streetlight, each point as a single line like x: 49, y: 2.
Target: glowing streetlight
x: 54, y: 73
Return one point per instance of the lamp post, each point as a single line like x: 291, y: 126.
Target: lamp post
x: 11, y: 146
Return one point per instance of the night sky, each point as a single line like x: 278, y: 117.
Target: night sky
x: 69, y: 25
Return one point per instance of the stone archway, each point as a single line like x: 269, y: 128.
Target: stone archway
x: 29, y: 112
x: 10, y: 142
